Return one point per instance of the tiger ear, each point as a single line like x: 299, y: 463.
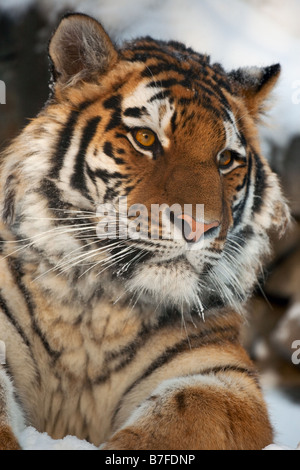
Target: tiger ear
x: 254, y: 85
x: 80, y: 49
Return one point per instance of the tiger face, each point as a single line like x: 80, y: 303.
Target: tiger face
x: 156, y: 124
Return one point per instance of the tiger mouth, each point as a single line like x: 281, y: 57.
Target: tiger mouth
x: 139, y: 257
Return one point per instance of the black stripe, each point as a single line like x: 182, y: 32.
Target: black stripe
x: 50, y: 191
x: 243, y: 183
x: 188, y: 118
x: 16, y: 269
x: 115, y: 121
x: 160, y: 96
x: 114, y: 103
x: 136, y: 112
x: 119, y: 161
x: 58, y: 206
x: 243, y: 139
x: 232, y: 368
x: 163, y: 83
x: 106, y: 176
x: 110, y: 194
x: 243, y: 235
x: 64, y: 144
x: 102, y: 174
x: 211, y: 84
x: 108, y: 149
x: 166, y: 66
x: 167, y: 52
x: 128, y: 352
x: 131, y: 260
x: 13, y: 321
x: 9, y: 201
x: 125, y: 356
x: 196, y: 341
x: 9, y: 371
x: 65, y: 138
x: 205, y: 102
x: 118, y: 135
x: 153, y: 70
x: 260, y: 183
x: 2, y: 242
x: 239, y: 209
x: 149, y: 44
x: 173, y: 122
x: 128, y: 189
x: 78, y: 178
x: 160, y: 56
x: 92, y: 177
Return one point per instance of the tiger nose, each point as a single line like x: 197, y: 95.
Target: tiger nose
x: 193, y: 230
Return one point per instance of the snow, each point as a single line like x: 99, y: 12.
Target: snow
x: 31, y: 439
x: 276, y: 447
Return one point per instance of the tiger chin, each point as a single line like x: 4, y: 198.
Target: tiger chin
x: 133, y: 342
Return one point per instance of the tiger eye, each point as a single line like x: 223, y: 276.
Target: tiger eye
x: 145, y: 137
x: 225, y: 159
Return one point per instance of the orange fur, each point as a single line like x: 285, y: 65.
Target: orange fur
x: 7, y: 439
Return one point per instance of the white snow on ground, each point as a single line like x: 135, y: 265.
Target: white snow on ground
x: 31, y: 439
x: 285, y: 417
x: 235, y: 33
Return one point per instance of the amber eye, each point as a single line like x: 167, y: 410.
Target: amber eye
x: 225, y: 159
x: 144, y: 137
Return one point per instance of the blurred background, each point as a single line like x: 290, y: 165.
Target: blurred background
x: 235, y: 33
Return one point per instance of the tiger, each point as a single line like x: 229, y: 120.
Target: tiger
x: 134, y: 342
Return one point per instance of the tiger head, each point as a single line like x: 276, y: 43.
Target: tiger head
x: 154, y: 124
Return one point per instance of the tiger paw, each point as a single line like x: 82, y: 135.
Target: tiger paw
x: 8, y: 440
x: 126, y: 439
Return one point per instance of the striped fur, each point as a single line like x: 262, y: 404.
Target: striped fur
x: 135, y: 343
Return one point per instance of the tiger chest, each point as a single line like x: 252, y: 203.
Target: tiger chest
x: 80, y: 355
